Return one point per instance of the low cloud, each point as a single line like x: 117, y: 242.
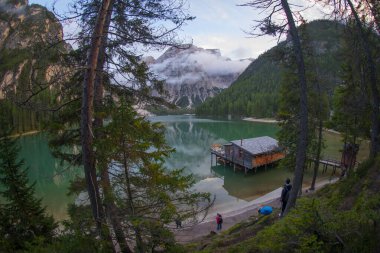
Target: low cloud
x: 189, y: 66
x: 216, y: 65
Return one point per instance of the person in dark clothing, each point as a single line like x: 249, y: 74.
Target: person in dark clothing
x: 178, y: 222
x: 219, y: 221
x: 285, y: 195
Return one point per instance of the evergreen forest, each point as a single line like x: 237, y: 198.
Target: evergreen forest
x: 82, y: 90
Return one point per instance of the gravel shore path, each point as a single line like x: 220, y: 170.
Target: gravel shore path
x: 186, y: 235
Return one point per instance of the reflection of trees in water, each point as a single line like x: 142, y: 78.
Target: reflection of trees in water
x: 192, y: 145
x: 52, y: 178
x: 234, y: 130
x: 253, y: 185
x: 192, y: 140
x: 43, y: 167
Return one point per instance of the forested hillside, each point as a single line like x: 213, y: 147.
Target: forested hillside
x: 31, y: 50
x: 255, y: 93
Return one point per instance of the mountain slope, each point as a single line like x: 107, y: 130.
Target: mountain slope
x: 31, y: 48
x: 194, y: 74
x: 255, y: 92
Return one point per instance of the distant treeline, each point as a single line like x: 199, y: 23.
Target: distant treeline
x: 256, y: 91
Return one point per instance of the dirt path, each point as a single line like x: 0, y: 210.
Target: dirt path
x: 229, y: 219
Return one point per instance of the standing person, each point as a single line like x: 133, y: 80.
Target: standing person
x: 178, y: 222
x: 285, y: 195
x: 219, y: 221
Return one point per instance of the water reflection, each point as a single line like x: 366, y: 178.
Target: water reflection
x: 51, y: 177
x: 253, y: 185
x: 191, y: 137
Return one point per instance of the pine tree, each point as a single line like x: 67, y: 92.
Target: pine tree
x: 289, y: 109
x: 149, y: 196
x: 23, y: 220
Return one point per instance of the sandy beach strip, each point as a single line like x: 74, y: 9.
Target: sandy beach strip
x: 261, y: 120
x: 190, y: 234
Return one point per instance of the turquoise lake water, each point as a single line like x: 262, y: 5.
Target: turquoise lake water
x: 191, y: 137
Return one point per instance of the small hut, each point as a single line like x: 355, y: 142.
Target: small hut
x: 250, y: 153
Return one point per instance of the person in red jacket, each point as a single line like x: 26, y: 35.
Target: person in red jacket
x: 219, y: 221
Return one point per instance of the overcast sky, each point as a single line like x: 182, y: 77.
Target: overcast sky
x: 219, y: 24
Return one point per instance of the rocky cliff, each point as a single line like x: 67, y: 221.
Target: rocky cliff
x: 30, y: 43
x: 194, y: 74
x: 31, y: 54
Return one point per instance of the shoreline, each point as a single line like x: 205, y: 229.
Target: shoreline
x: 190, y: 234
x: 25, y: 134
x: 261, y: 120
x: 273, y: 121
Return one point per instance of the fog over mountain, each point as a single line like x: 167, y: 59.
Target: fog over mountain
x: 194, y: 74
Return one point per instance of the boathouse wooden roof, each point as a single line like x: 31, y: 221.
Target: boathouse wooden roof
x: 258, y: 145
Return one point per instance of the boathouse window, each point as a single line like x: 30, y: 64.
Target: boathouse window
x: 240, y: 153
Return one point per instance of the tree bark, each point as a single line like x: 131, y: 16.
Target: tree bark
x: 303, y: 115
x: 318, y: 154
x: 375, y: 143
x: 109, y: 205
x: 87, y: 117
x: 319, y: 144
x: 139, y: 242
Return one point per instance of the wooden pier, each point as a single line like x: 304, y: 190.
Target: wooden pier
x: 327, y: 162
x: 334, y: 163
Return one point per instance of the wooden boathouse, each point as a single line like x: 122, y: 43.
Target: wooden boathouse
x: 248, y: 153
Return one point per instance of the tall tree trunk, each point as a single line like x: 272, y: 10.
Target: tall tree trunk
x: 110, y: 207
x: 139, y: 242
x: 318, y: 154
x: 375, y: 142
x: 303, y: 115
x: 319, y: 143
x: 87, y: 117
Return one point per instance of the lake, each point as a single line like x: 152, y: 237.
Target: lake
x: 191, y: 137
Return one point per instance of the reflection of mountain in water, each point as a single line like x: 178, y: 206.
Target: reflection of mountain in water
x: 253, y: 185
x: 192, y: 138
x: 192, y: 145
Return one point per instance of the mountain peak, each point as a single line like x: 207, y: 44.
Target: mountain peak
x: 193, y: 74
x: 185, y: 49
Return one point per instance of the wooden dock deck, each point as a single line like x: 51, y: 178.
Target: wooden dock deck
x: 334, y: 163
